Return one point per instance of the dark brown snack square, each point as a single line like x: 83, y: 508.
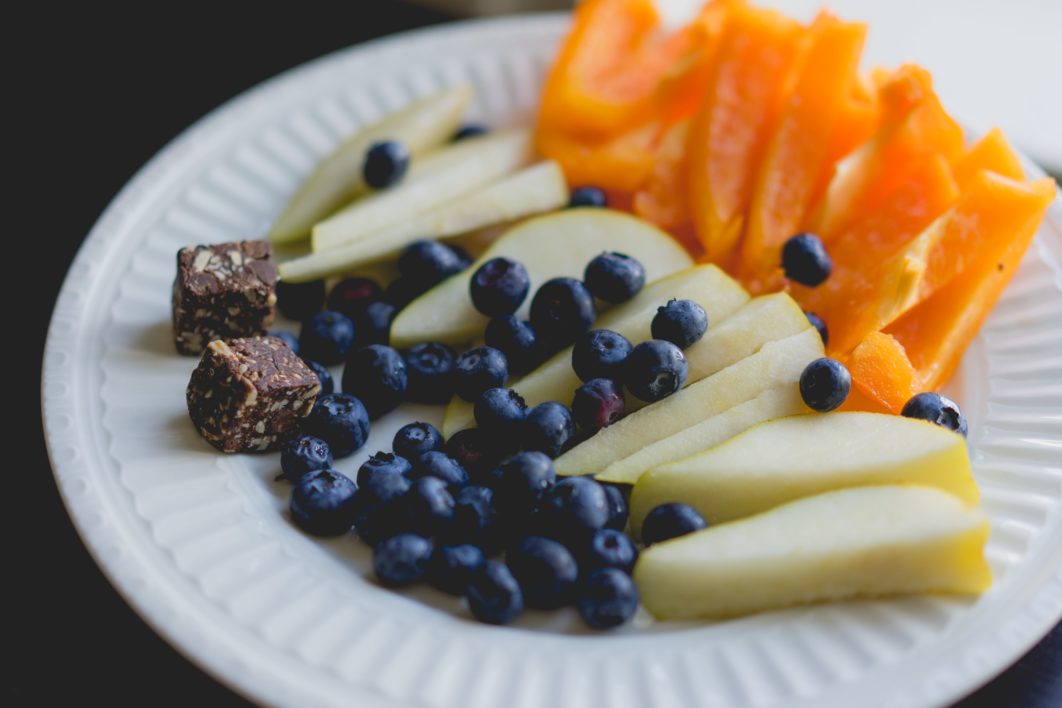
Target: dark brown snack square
x: 222, y: 291
x: 248, y: 395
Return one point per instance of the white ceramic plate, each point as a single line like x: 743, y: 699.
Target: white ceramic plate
x: 200, y: 545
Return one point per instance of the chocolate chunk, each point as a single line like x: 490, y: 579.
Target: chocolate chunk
x: 222, y: 291
x: 248, y: 395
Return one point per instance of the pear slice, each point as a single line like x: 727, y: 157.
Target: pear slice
x: 777, y: 363
x: 721, y: 296
x: 851, y: 543
x: 773, y: 403
x: 533, y: 190
x: 549, y: 246
x: 437, y: 179
x: 786, y: 459
x: 420, y: 126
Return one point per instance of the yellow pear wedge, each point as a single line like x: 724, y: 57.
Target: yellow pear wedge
x: 549, y: 246
x: 789, y: 458
x: 776, y: 364
x: 720, y: 296
x: 851, y: 543
x: 773, y: 403
x: 420, y: 126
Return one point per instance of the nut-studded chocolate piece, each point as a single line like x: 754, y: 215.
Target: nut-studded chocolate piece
x: 248, y: 395
x: 222, y: 291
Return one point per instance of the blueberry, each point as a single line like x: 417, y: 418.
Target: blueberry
x: 326, y: 337
x: 617, y: 507
x: 573, y: 509
x: 479, y: 369
x: 341, y: 421
x: 373, y: 324
x: 670, y: 520
x: 546, y: 570
x: 376, y: 374
x: 288, y: 338
x: 383, y: 463
x: 350, y: 296
x: 561, y: 310
x: 475, y: 450
x: 475, y: 520
x: 494, y: 596
x: 500, y: 411
x: 304, y: 454
x: 825, y: 384
x: 654, y: 370
x: 516, y: 339
x: 681, y: 322
x: 548, y: 428
x: 599, y: 354
x: 414, y: 439
x: 386, y: 163
x: 300, y: 301
x: 428, y: 262
x: 403, y: 291
x: 378, y: 510
x: 607, y: 599
x: 818, y: 323
x: 471, y: 130
x: 499, y: 286
x: 428, y: 507
x: 520, y: 482
x: 323, y: 503
x: 435, y: 463
x: 608, y: 548
x: 430, y: 367
x: 588, y: 197
x: 597, y: 404
x: 402, y: 559
x: 463, y: 256
x: 805, y: 260
x: 451, y: 568
x: 936, y: 409
x: 328, y: 385
x: 614, y: 277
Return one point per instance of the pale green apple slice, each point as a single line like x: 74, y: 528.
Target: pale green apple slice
x: 777, y: 363
x: 530, y: 191
x: 707, y: 285
x: 789, y: 458
x: 549, y: 246
x: 440, y: 177
x: 773, y: 403
x: 846, y: 544
x: 420, y: 126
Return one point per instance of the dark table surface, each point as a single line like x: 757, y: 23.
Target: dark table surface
x: 98, y: 99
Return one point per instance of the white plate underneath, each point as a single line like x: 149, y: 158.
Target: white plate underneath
x: 199, y: 543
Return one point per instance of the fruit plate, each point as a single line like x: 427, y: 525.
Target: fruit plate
x: 200, y: 545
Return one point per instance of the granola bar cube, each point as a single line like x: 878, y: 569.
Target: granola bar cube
x: 249, y: 394
x: 222, y: 291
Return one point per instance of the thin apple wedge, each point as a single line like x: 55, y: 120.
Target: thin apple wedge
x: 773, y: 403
x: 420, y: 126
x: 530, y: 191
x: 437, y: 179
x: 846, y: 544
x: 777, y: 363
x: 549, y: 246
x: 720, y: 295
x: 786, y: 459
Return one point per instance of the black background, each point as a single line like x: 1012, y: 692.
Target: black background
x: 96, y: 93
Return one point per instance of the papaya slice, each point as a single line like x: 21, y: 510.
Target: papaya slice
x: 662, y: 199
x: 882, y: 372
x: 936, y: 332
x: 728, y: 135
x: 621, y: 163
x: 797, y: 154
x: 993, y: 209
x: 993, y: 153
x: 884, y: 162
